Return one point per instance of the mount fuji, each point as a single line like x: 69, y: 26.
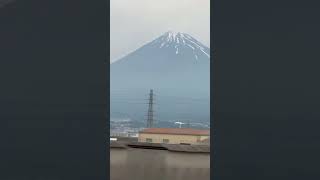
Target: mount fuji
x: 176, y: 66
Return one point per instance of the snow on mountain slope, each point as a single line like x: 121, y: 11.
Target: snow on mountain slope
x: 166, y: 53
x: 181, y: 40
x: 174, y: 64
x: 171, y: 58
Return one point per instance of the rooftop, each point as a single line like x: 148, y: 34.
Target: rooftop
x: 177, y: 131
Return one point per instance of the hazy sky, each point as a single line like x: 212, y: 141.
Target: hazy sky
x: 136, y: 22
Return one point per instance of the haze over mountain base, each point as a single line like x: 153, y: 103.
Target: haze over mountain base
x: 177, y: 67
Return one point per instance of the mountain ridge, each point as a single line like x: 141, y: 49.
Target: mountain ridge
x: 170, y: 37
x: 174, y: 64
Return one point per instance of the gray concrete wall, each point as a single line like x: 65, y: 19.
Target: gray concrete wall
x: 145, y: 164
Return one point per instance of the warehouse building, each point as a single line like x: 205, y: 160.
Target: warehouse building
x: 174, y: 136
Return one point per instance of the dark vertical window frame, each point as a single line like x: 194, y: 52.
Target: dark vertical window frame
x: 213, y: 101
x: 266, y: 95
x: 54, y: 89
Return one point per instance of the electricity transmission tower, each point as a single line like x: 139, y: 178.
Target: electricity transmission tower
x: 150, y: 110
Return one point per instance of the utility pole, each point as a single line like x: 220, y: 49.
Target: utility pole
x: 150, y: 110
x: 188, y: 123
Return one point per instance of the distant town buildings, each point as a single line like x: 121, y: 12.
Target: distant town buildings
x: 123, y: 134
x: 174, y: 136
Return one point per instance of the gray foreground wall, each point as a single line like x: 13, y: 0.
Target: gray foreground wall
x: 145, y: 164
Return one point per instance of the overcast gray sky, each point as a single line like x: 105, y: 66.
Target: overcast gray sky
x: 136, y: 22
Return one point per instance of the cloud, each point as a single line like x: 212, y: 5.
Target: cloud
x: 133, y: 23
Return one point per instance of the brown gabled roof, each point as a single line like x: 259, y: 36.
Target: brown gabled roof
x: 178, y: 131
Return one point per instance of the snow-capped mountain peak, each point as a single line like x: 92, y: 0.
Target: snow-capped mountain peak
x: 174, y: 65
x: 180, y: 41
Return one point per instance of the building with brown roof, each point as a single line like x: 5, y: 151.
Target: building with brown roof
x: 174, y: 136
